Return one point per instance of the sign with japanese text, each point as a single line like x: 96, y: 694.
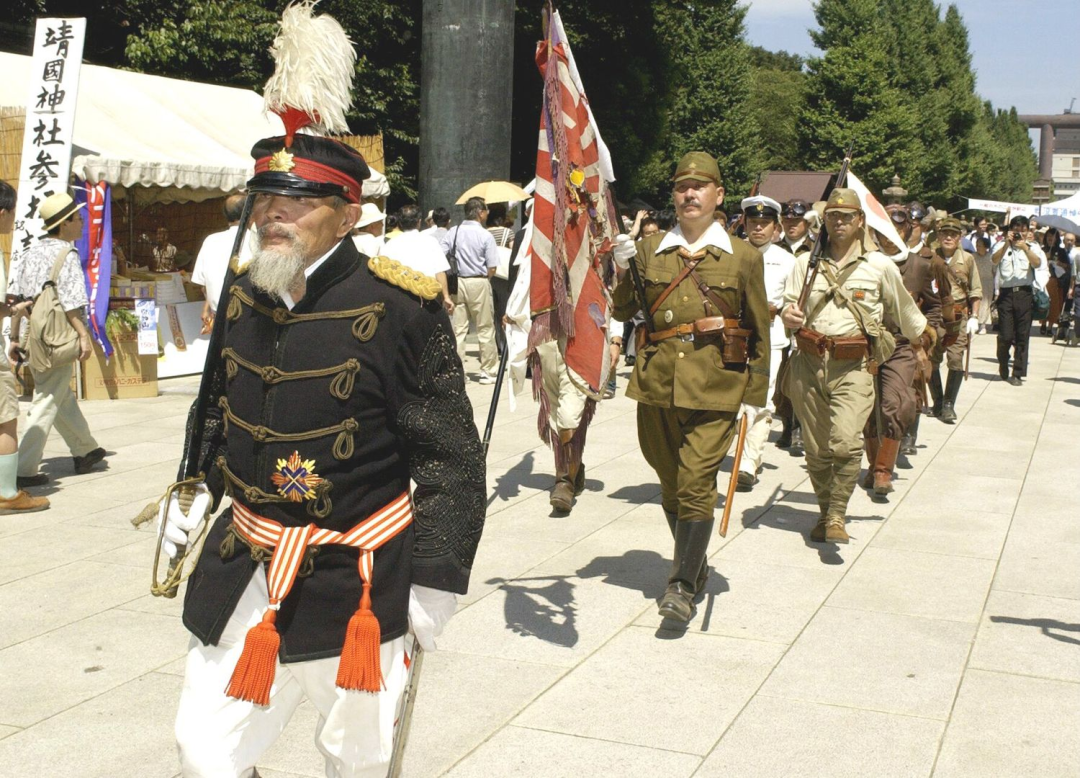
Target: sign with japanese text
x: 50, y: 122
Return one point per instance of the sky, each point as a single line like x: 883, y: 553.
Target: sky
x: 1038, y: 73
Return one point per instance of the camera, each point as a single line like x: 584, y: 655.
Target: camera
x: 1017, y: 236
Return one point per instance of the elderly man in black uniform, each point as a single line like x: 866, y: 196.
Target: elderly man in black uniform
x: 338, y: 381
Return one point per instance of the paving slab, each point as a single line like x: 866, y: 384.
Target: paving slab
x: 122, y: 733
x: 517, y: 751
x: 50, y: 673
x: 810, y: 740
x: 916, y: 583
x: 879, y: 661
x: 1029, y: 635
x: 1011, y: 725
x: 706, y: 679
x: 961, y: 533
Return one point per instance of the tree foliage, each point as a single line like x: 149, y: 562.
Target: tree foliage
x: 663, y: 77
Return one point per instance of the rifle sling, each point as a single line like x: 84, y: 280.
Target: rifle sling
x: 835, y: 282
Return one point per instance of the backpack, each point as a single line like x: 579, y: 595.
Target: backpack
x: 51, y: 341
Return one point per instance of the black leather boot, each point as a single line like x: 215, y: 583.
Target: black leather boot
x: 952, y: 389
x: 703, y: 576
x: 691, y: 546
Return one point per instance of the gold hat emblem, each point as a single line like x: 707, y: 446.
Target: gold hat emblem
x: 282, y: 162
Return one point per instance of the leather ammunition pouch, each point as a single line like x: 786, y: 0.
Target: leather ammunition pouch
x: 846, y: 348
x: 734, y: 340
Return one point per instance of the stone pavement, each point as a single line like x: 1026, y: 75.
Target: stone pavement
x: 944, y: 640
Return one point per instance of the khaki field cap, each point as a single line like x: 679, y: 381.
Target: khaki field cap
x: 57, y: 209
x: 949, y: 223
x: 699, y: 166
x: 843, y: 200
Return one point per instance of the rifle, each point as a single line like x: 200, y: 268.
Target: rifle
x: 740, y: 220
x: 819, y: 241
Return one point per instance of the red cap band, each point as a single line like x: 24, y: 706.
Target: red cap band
x: 317, y: 173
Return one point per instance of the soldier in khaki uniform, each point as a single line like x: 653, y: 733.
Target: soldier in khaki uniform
x: 963, y: 322
x: 705, y: 363
x: 829, y: 380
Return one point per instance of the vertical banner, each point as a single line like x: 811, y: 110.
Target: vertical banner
x: 95, y: 249
x: 50, y: 122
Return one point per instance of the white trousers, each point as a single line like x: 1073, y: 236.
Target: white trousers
x: 53, y: 404
x: 220, y: 737
x: 758, y: 433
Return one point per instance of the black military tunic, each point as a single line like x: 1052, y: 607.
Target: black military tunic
x: 321, y: 415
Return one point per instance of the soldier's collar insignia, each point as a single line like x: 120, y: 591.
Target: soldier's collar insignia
x: 282, y: 162
x: 296, y: 478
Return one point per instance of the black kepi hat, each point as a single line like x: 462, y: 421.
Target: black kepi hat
x: 312, y: 166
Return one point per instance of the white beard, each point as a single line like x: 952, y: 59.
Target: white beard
x: 276, y: 270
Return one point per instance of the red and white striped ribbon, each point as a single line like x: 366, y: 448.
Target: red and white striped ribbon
x: 290, y: 543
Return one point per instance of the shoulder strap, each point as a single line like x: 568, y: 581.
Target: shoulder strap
x: 688, y: 268
x: 958, y: 279
x: 835, y: 282
x: 707, y: 294
x: 858, y: 310
x: 58, y: 265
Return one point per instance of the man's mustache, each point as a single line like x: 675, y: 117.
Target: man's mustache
x: 276, y: 231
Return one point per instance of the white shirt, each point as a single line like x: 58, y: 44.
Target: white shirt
x: 1014, y: 268
x: 420, y: 252
x: 778, y: 266
x: 213, y: 262
x: 287, y: 298
x: 367, y: 244
x: 715, y: 235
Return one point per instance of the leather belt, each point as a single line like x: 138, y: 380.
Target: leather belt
x: 713, y: 326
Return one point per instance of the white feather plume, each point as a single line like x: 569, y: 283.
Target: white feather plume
x: 314, y: 68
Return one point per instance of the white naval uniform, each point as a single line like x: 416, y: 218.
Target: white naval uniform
x: 778, y: 266
x: 221, y: 737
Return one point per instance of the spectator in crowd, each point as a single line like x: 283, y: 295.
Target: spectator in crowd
x: 665, y: 220
x: 54, y: 401
x: 164, y: 253
x: 1015, y: 260
x: 985, y: 266
x: 500, y: 225
x: 477, y: 259
x: 1074, y: 257
x: 368, y: 233
x: 213, y: 261
x: 1058, y: 285
x: 419, y: 251
x: 392, y: 228
x: 12, y: 498
x: 440, y: 219
x: 634, y: 228
x: 119, y: 259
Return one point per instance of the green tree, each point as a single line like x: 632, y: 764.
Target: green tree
x: 851, y: 98
x: 777, y: 94
x: 711, y: 79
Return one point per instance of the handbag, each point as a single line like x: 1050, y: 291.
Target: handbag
x: 1040, y: 305
x: 51, y: 340
x: 451, y: 260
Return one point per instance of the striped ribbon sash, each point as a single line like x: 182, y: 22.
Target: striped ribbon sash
x: 359, y: 666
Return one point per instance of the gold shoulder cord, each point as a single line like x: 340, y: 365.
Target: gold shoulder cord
x: 390, y: 270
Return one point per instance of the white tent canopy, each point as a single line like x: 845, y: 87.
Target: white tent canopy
x: 1069, y: 207
x: 190, y: 140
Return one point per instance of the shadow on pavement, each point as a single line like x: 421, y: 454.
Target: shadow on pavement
x: 1045, y: 625
x: 545, y: 610
x: 637, y: 494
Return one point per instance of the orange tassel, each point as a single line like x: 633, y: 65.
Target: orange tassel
x: 254, y: 673
x: 360, y: 667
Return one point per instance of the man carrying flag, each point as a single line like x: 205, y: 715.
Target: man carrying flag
x: 573, y: 226
x: 705, y: 363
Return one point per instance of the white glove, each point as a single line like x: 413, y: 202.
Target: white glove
x: 429, y: 610
x: 751, y: 412
x: 177, y: 525
x: 973, y: 325
x: 624, y: 250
